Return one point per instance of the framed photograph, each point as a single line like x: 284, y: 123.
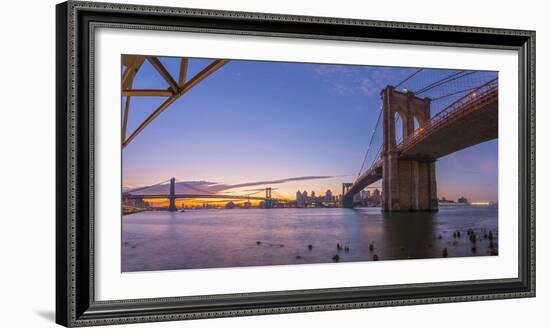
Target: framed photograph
x: 215, y: 164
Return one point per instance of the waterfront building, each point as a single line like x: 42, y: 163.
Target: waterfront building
x: 137, y: 202
x: 463, y: 200
x: 375, y: 199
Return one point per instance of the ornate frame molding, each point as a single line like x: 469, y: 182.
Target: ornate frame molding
x: 76, y: 25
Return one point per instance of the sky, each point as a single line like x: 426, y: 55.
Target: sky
x: 254, y: 123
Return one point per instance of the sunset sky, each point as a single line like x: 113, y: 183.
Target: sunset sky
x: 256, y: 121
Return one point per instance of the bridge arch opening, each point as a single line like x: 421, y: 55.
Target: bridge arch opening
x: 399, y: 127
x: 416, y: 124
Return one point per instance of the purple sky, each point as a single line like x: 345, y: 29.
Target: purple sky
x: 254, y: 122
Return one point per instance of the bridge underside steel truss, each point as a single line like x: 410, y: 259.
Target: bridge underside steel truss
x: 177, y: 87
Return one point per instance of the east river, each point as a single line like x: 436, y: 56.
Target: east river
x: 159, y: 240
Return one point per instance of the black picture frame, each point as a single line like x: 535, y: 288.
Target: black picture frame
x: 75, y: 26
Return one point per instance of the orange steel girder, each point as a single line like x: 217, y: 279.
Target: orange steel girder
x: 176, y: 89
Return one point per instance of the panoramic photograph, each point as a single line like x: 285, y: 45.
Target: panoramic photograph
x: 239, y: 163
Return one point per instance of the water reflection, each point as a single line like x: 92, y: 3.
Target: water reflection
x: 409, y: 235
x: 252, y: 237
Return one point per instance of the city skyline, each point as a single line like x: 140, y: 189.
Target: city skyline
x: 290, y: 120
x: 371, y: 196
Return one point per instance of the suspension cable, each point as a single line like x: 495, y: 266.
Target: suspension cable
x: 409, y: 77
x: 147, y: 187
x: 370, y: 142
x: 279, y: 196
x: 447, y: 79
x: 454, y: 93
x: 194, y: 188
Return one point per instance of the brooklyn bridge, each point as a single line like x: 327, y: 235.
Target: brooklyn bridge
x: 407, y: 169
x: 417, y: 124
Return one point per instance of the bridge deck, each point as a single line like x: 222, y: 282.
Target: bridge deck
x: 370, y: 176
x: 473, y: 124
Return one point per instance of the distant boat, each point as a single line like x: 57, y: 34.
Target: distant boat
x: 182, y: 210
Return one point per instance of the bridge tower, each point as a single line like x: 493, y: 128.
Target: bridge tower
x: 408, y: 184
x: 347, y: 200
x: 268, y: 203
x: 172, y: 197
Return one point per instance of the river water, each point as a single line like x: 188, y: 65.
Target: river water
x: 216, y: 238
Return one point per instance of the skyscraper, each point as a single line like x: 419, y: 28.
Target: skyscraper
x: 328, y: 196
x: 300, y: 200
